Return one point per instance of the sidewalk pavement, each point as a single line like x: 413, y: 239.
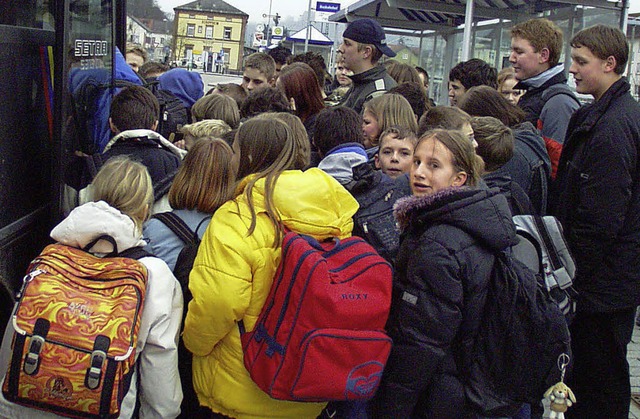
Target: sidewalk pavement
x: 633, y: 356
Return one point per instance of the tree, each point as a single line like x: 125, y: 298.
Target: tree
x: 145, y: 9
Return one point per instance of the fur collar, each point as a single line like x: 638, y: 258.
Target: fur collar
x: 404, y: 208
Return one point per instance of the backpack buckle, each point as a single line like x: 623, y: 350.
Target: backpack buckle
x: 32, y: 359
x: 98, y: 358
x: 94, y: 372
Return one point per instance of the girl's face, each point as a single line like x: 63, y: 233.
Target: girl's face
x: 508, y: 92
x: 370, y: 129
x: 432, y: 169
x: 342, y: 74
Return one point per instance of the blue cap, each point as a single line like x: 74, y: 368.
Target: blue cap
x: 368, y: 31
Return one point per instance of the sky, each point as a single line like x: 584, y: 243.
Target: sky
x: 294, y: 8
x: 256, y: 8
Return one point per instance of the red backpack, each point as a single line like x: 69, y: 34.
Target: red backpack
x: 320, y: 335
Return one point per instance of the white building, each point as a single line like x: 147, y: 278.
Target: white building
x: 156, y: 43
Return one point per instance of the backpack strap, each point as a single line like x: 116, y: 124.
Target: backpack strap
x: 558, y: 89
x: 137, y: 252
x: 176, y: 225
x: 554, y: 258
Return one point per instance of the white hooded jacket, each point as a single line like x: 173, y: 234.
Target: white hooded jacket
x: 157, y: 352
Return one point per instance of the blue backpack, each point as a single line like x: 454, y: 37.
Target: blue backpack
x: 92, y: 91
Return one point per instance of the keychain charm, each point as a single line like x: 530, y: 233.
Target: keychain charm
x: 559, y: 395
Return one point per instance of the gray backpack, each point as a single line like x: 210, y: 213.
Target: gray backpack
x: 543, y: 248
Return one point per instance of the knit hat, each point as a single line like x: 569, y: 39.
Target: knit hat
x: 368, y: 31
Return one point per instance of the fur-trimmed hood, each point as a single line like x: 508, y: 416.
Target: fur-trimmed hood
x: 482, y: 213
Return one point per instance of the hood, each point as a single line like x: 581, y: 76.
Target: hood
x: 310, y: 202
x: 340, y: 161
x: 152, y: 135
x: 186, y: 85
x: 482, y: 213
x: 93, y: 219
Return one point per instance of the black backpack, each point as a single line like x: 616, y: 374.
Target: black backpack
x: 173, y: 114
x: 190, y: 407
x: 521, y: 336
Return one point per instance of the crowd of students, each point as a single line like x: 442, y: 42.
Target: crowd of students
x: 432, y: 188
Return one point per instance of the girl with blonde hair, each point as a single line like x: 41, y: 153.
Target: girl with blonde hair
x: 122, y: 196
x: 238, y: 258
x: 383, y: 112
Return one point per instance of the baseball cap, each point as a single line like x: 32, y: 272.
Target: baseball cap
x: 368, y: 31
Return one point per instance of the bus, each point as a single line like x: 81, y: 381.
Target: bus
x: 41, y: 41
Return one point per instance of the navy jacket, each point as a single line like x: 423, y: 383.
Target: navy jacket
x: 597, y: 200
x: 443, y: 267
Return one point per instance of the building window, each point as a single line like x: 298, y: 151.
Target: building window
x: 229, y: 19
x: 192, y: 16
x: 209, y: 32
x: 199, y: 29
x: 209, y: 17
x: 227, y: 33
x: 191, y: 29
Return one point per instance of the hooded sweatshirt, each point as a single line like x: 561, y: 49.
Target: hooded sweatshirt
x: 186, y: 85
x: 157, y: 352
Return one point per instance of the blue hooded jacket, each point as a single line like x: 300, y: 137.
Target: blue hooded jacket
x: 186, y: 85
x: 96, y: 122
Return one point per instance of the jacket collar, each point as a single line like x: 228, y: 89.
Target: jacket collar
x: 539, y: 80
x: 587, y: 116
x: 365, y: 76
x: 149, y: 134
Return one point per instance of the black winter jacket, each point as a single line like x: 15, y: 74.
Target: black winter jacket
x: 366, y: 85
x: 374, y: 221
x: 445, y: 260
x: 597, y: 200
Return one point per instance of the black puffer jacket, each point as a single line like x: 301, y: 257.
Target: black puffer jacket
x: 446, y: 257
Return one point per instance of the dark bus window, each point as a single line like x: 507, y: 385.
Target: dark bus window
x: 36, y: 14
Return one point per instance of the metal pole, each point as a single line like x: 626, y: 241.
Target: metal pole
x: 468, y: 23
x: 306, y: 38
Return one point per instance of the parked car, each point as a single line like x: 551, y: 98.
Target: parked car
x: 183, y: 63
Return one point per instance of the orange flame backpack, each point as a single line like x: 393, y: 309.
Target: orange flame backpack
x: 76, y: 327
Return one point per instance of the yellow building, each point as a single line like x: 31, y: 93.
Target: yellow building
x: 205, y: 27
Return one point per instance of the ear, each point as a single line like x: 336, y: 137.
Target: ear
x: 610, y: 64
x: 459, y: 179
x: 366, y: 52
x: 272, y: 82
x: 113, y: 127
x: 292, y: 103
x: 544, y: 55
x: 572, y: 397
x: 376, y: 160
x: 155, y: 125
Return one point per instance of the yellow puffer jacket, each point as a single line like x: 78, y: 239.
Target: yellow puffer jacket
x: 231, y: 279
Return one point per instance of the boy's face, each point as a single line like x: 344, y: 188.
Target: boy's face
x: 253, y: 79
x: 353, y: 59
x: 525, y: 60
x: 456, y: 91
x: 395, y: 156
x: 135, y: 61
x: 589, y: 72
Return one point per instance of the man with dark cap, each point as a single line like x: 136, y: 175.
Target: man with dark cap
x: 362, y: 47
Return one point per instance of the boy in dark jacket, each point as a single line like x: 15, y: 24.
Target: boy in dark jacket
x: 363, y: 45
x: 337, y: 138
x: 597, y: 200
x: 133, y: 119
